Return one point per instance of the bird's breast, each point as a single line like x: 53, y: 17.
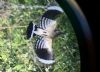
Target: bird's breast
x: 51, y: 27
x: 48, y: 43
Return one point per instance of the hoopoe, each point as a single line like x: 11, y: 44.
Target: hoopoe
x: 46, y: 31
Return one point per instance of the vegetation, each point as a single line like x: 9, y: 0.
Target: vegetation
x: 16, y: 52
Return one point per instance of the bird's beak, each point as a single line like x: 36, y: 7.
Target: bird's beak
x: 58, y: 32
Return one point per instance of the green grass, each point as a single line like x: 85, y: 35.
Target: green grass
x: 16, y: 51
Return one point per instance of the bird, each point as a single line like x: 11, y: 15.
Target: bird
x: 45, y: 31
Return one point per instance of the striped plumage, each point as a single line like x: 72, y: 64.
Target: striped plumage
x: 46, y: 31
x: 44, y: 51
x: 50, y: 16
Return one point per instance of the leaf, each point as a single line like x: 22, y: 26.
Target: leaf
x: 4, y: 57
x: 18, y: 67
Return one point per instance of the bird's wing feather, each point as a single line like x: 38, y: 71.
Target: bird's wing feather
x: 43, y: 49
x: 50, y: 16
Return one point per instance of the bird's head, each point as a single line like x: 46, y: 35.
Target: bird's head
x: 30, y: 30
x: 57, y: 33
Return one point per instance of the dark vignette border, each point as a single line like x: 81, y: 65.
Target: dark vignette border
x: 83, y: 33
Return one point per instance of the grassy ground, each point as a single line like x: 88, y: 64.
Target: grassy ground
x: 16, y: 51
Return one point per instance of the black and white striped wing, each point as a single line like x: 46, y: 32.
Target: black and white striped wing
x: 43, y: 49
x: 49, y: 17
